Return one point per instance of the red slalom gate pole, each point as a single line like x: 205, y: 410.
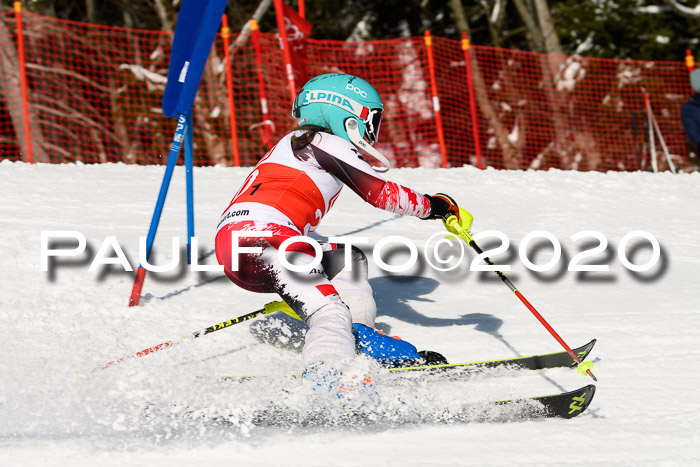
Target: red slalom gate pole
x: 226, y: 34
x: 282, y: 31
x: 135, y: 296
x: 689, y: 60
x: 264, y: 126
x: 436, y: 99
x: 23, y: 81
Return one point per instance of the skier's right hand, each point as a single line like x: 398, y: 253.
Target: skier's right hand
x: 442, y: 206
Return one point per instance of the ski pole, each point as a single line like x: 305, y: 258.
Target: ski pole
x: 267, y: 309
x: 453, y: 226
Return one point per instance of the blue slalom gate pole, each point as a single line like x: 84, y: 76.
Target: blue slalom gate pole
x: 189, y: 176
x: 175, y: 147
x: 195, y: 31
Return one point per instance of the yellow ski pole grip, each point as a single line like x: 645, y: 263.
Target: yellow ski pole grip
x: 282, y: 306
x: 453, y: 226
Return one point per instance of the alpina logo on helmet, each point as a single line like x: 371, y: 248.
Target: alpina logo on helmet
x: 321, y: 96
x: 356, y: 90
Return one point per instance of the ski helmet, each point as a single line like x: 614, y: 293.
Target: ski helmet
x: 330, y: 100
x: 695, y: 80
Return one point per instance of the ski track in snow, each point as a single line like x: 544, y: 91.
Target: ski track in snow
x: 56, y: 326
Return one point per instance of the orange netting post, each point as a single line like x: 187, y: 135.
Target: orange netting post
x: 689, y: 60
x: 466, y: 46
x: 226, y: 34
x: 23, y: 81
x: 101, y: 88
x: 436, y: 99
x: 265, y: 124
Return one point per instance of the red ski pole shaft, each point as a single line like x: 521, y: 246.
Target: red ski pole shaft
x: 453, y: 223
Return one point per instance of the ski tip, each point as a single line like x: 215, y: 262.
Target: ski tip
x: 584, y: 351
x: 579, y: 401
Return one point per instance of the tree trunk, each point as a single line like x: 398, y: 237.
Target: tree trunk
x: 548, y: 33
x: 459, y: 16
x: 512, y: 154
x: 534, y: 36
x: 91, y: 11
x: 166, y: 14
x: 572, y: 134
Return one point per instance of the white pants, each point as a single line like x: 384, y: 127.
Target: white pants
x: 329, y: 297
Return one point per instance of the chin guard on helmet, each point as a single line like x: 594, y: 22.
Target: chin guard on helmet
x: 357, y: 140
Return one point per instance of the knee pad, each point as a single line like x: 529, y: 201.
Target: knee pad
x: 354, y: 289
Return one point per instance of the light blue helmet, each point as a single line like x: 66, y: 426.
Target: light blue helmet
x: 695, y: 80
x: 334, y: 100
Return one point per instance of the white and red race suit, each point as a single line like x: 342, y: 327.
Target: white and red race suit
x: 287, y: 194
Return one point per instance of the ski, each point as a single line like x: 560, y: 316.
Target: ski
x: 564, y: 405
x: 533, y: 362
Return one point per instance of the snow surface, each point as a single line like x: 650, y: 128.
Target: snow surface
x: 56, y: 326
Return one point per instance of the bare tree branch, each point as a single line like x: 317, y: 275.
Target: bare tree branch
x: 683, y: 10
x: 245, y: 32
x: 166, y: 13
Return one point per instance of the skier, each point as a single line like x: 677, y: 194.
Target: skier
x: 287, y: 194
x: 690, y: 113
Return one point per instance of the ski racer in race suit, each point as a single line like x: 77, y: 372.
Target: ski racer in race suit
x: 287, y: 194
x: 690, y: 113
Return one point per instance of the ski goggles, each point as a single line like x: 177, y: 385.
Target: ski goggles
x: 372, y: 125
x: 372, y: 118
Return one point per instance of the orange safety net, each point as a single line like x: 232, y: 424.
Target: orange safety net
x: 94, y: 95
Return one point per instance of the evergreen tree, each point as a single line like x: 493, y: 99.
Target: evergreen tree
x: 624, y: 29
x: 637, y: 29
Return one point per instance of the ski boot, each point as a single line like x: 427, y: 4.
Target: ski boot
x: 391, y: 351
x: 328, y: 384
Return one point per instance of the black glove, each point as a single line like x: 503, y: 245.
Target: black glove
x: 442, y: 207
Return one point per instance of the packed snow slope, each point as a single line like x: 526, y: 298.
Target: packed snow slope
x: 170, y: 407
